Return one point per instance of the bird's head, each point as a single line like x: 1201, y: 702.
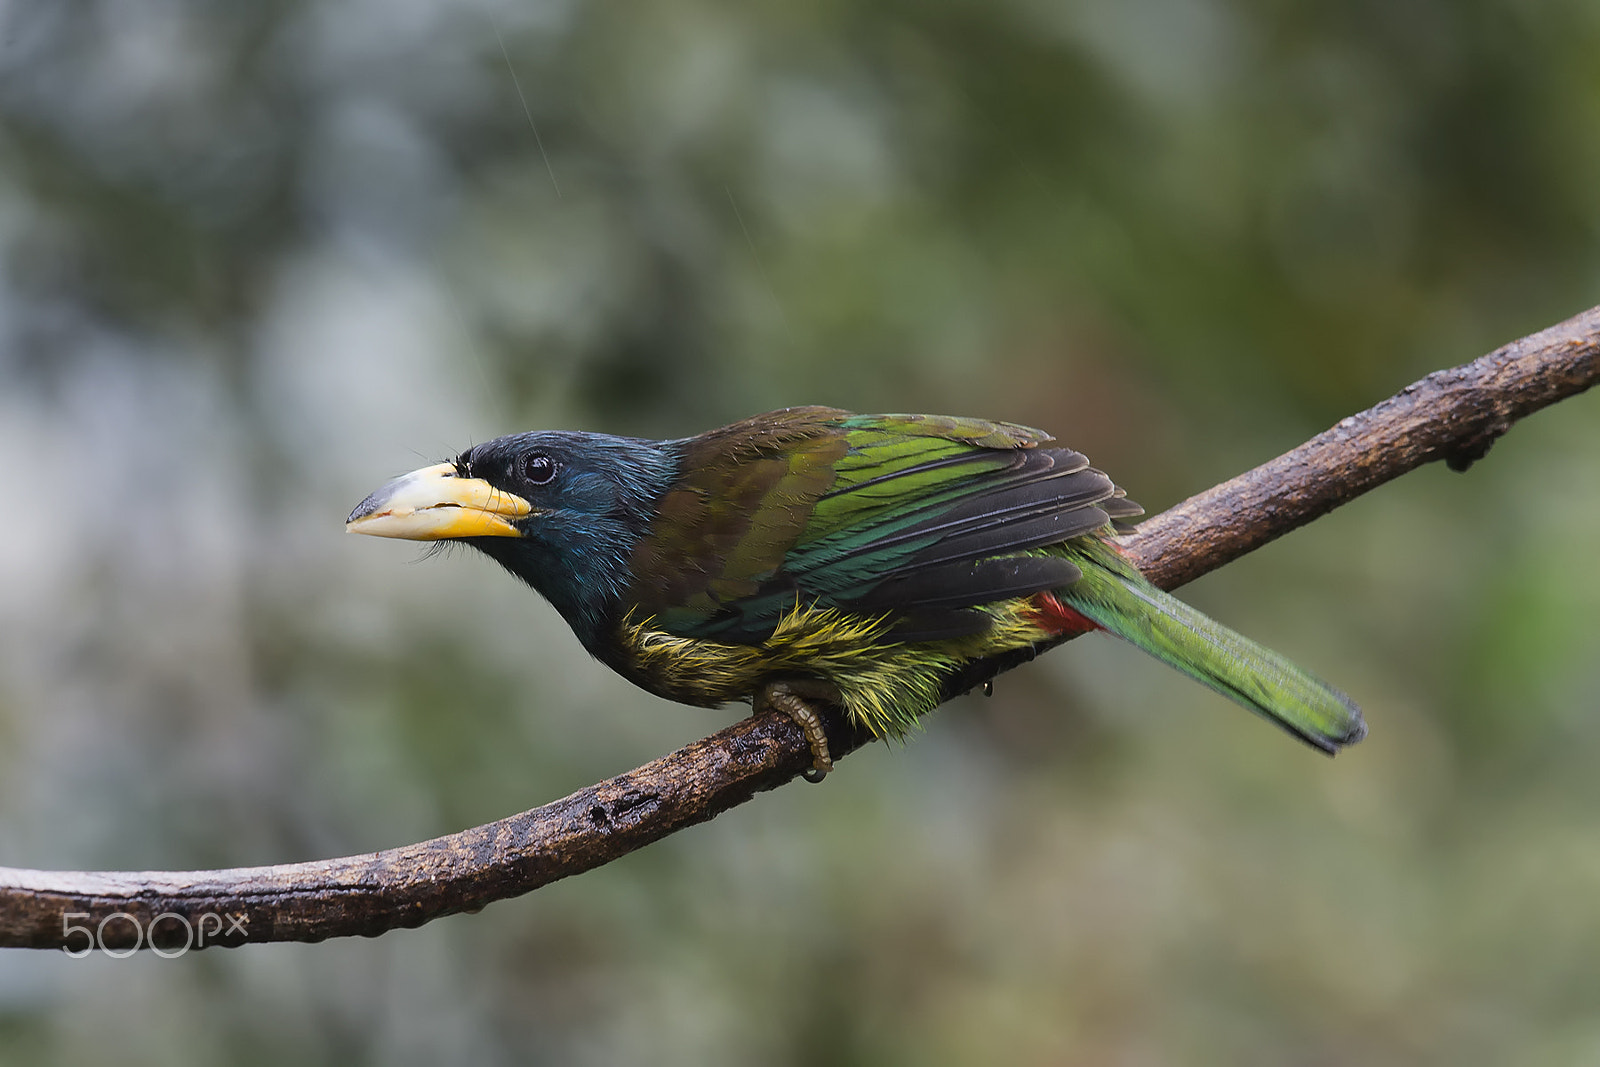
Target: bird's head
x: 561, y: 511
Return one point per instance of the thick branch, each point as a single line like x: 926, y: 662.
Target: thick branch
x: 1453, y: 415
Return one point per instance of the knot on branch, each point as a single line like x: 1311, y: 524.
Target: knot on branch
x: 1473, y: 448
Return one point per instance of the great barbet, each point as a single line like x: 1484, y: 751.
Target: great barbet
x: 877, y: 564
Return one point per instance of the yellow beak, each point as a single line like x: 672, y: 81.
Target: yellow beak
x: 436, y: 503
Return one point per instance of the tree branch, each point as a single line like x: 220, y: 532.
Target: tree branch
x: 1454, y: 415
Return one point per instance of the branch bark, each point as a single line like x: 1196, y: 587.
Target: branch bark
x: 1454, y: 415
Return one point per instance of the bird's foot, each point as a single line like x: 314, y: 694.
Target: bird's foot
x: 792, y: 698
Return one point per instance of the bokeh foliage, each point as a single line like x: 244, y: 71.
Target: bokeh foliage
x: 254, y: 258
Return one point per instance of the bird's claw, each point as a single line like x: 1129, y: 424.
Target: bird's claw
x: 791, y: 699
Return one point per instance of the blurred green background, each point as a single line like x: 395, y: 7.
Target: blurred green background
x: 256, y: 258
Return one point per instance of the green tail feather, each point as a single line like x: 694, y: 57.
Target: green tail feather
x: 1114, y: 594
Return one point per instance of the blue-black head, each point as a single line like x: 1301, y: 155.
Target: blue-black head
x: 560, y: 510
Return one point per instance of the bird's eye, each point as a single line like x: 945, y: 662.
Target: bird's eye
x: 538, y: 468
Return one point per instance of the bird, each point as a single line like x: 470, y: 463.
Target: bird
x: 810, y: 559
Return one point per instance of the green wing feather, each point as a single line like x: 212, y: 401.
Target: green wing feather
x: 893, y: 514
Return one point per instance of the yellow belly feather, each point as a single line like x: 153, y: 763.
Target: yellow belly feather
x: 885, y: 685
